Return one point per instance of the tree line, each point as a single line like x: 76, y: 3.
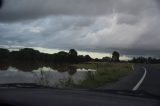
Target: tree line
x: 31, y: 55
x: 147, y: 60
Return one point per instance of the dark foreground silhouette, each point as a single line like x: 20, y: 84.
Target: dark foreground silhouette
x: 32, y: 56
x: 62, y: 57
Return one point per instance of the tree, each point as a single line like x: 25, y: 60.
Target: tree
x: 115, y: 56
x: 73, y: 55
x: 4, y: 54
x: 61, y: 57
x: 34, y: 56
x: 87, y: 58
x: 106, y: 59
x: 145, y: 60
x: 28, y: 54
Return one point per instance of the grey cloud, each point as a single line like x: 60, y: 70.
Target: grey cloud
x: 128, y: 19
x: 15, y: 10
x: 30, y: 9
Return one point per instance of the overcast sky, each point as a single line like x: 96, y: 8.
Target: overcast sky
x: 131, y: 27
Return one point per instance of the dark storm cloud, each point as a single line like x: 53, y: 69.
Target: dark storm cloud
x: 1, y: 3
x: 14, y: 10
x: 129, y: 26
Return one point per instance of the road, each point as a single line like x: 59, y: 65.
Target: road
x: 151, y: 82
x: 143, y: 77
x: 57, y: 97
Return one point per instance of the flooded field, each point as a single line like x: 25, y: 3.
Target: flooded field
x: 44, y: 75
x: 82, y: 75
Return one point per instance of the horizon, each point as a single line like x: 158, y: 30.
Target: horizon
x: 93, y: 55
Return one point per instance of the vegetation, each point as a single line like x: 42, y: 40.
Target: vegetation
x: 108, y: 69
x: 150, y: 60
x: 66, y: 82
x: 115, y: 56
x: 62, y: 57
x: 88, y: 65
x: 31, y: 55
x: 42, y: 78
x: 106, y: 73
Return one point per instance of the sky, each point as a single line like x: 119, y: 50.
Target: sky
x: 94, y: 27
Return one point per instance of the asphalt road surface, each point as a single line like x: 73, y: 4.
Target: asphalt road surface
x: 143, y: 77
x: 151, y: 83
x: 53, y: 97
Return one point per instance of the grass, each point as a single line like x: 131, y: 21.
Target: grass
x: 106, y: 73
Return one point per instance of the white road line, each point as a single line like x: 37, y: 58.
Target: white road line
x: 132, y: 67
x: 140, y: 81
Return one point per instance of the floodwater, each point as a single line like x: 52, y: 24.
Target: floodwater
x: 44, y: 75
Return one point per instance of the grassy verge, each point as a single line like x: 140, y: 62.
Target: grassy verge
x: 106, y: 73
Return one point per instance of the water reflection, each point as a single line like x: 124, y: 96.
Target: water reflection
x: 29, y: 67
x: 3, y: 66
x: 45, y: 74
x: 22, y: 66
x: 72, y: 70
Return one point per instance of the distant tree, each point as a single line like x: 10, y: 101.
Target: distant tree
x: 145, y: 60
x: 28, y: 54
x: 96, y: 60
x: 115, y: 56
x: 87, y: 58
x: 73, y: 55
x: 150, y: 60
x: 34, y: 56
x: 106, y: 59
x: 81, y: 58
x: 4, y: 54
x: 61, y: 57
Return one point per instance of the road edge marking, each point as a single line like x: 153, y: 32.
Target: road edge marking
x: 132, y: 67
x: 141, y: 80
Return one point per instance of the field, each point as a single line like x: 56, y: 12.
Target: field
x: 106, y: 73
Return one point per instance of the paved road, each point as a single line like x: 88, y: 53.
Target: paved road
x: 151, y: 82
x: 143, y: 77
x: 53, y: 97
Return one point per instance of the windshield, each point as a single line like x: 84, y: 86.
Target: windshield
x: 81, y: 44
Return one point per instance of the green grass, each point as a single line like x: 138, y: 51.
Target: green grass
x: 106, y: 73
x: 87, y: 65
